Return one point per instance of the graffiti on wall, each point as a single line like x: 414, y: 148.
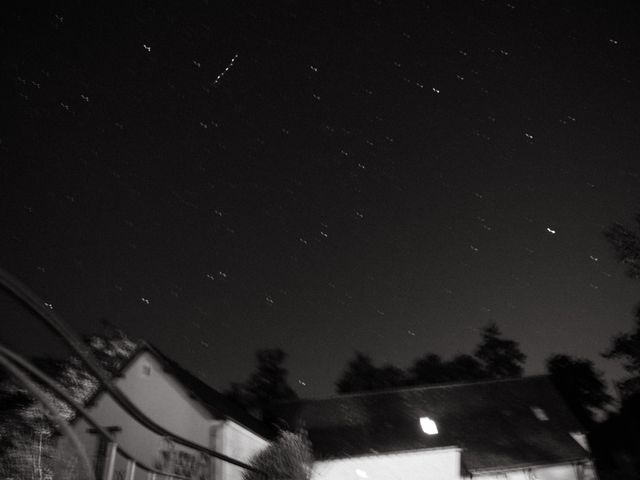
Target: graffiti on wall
x: 194, y: 465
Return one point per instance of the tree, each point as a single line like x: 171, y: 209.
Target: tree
x: 581, y: 385
x: 616, y: 441
x: 266, y: 385
x: 390, y: 376
x: 501, y: 357
x: 27, y: 437
x: 626, y: 243
x: 289, y: 457
x: 626, y: 346
x: 361, y: 375
x: 236, y: 394
x: 429, y: 369
x: 465, y: 368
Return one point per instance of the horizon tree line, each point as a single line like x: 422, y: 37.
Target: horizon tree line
x: 495, y: 357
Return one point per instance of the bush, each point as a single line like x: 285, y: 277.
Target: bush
x: 289, y: 457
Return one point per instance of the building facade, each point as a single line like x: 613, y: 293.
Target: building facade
x: 517, y: 429
x: 183, y: 405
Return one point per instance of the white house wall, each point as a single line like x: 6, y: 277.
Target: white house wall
x: 436, y: 464
x: 145, y: 445
x: 241, y: 444
x: 163, y: 399
x: 554, y: 472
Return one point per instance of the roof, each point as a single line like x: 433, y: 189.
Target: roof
x: 491, y: 421
x: 216, y: 403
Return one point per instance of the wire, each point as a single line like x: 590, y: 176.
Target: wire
x: 60, y: 327
x: 64, y: 395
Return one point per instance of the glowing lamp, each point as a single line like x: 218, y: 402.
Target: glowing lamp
x: 428, y: 426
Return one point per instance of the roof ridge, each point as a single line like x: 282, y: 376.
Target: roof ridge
x: 418, y: 387
x: 224, y: 406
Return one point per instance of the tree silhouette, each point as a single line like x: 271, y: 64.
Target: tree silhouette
x: 361, y: 375
x: 501, y: 357
x: 390, y: 376
x: 266, y: 385
x: 626, y: 243
x: 581, y: 385
x: 626, y: 346
x: 495, y: 357
x: 618, y: 440
x: 27, y: 437
x: 464, y: 368
x: 430, y: 368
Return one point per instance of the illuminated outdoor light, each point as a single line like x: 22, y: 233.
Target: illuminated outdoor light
x: 361, y: 473
x: 428, y: 426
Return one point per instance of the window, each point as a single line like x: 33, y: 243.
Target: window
x: 428, y: 426
x: 581, y: 438
x: 146, y: 370
x: 540, y: 414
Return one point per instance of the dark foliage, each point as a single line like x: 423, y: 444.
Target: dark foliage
x: 501, y: 357
x: 581, y: 385
x: 289, y: 457
x: 496, y: 357
x: 26, y: 435
x: 391, y: 376
x: 626, y: 348
x: 266, y: 386
x: 361, y: 375
x: 429, y: 368
x: 626, y: 243
x: 616, y: 442
x: 465, y: 368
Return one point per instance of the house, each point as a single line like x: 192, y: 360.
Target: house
x: 517, y: 429
x: 182, y: 404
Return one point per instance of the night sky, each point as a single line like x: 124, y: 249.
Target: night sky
x: 370, y: 175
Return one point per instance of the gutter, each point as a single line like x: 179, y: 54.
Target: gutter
x: 527, y: 466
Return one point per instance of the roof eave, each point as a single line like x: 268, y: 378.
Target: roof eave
x: 388, y: 453
x: 528, y: 466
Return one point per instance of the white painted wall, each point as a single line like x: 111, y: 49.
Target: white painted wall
x: 554, y: 472
x: 162, y: 398
x: 241, y: 444
x: 440, y: 464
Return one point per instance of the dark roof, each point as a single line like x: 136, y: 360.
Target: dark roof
x: 492, y: 422
x: 217, y: 404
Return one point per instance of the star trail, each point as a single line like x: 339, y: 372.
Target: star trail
x: 371, y: 175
